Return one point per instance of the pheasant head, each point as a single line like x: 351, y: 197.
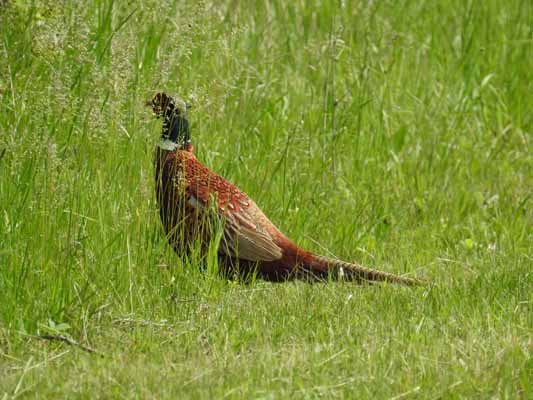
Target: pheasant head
x: 176, y: 132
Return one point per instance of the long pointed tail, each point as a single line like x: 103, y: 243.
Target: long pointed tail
x: 322, y: 266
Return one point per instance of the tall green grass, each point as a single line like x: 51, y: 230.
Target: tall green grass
x: 397, y: 134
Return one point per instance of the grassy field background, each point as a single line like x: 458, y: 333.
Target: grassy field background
x: 394, y: 133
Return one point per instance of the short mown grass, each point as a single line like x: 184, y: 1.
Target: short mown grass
x: 393, y: 133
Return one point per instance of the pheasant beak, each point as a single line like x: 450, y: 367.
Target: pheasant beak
x: 156, y: 109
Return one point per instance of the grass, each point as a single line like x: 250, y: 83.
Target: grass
x: 397, y: 134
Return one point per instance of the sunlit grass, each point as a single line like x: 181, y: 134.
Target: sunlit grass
x: 396, y: 134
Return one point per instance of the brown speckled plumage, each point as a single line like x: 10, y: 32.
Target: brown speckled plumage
x: 192, y: 199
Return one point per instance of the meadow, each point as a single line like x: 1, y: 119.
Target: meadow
x: 392, y: 133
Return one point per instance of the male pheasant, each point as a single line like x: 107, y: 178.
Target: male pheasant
x: 192, y: 198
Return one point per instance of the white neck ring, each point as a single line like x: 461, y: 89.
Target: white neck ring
x: 167, y: 144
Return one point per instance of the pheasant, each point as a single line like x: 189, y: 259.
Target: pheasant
x: 192, y: 199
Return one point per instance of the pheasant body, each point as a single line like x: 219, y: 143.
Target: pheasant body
x: 192, y: 198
